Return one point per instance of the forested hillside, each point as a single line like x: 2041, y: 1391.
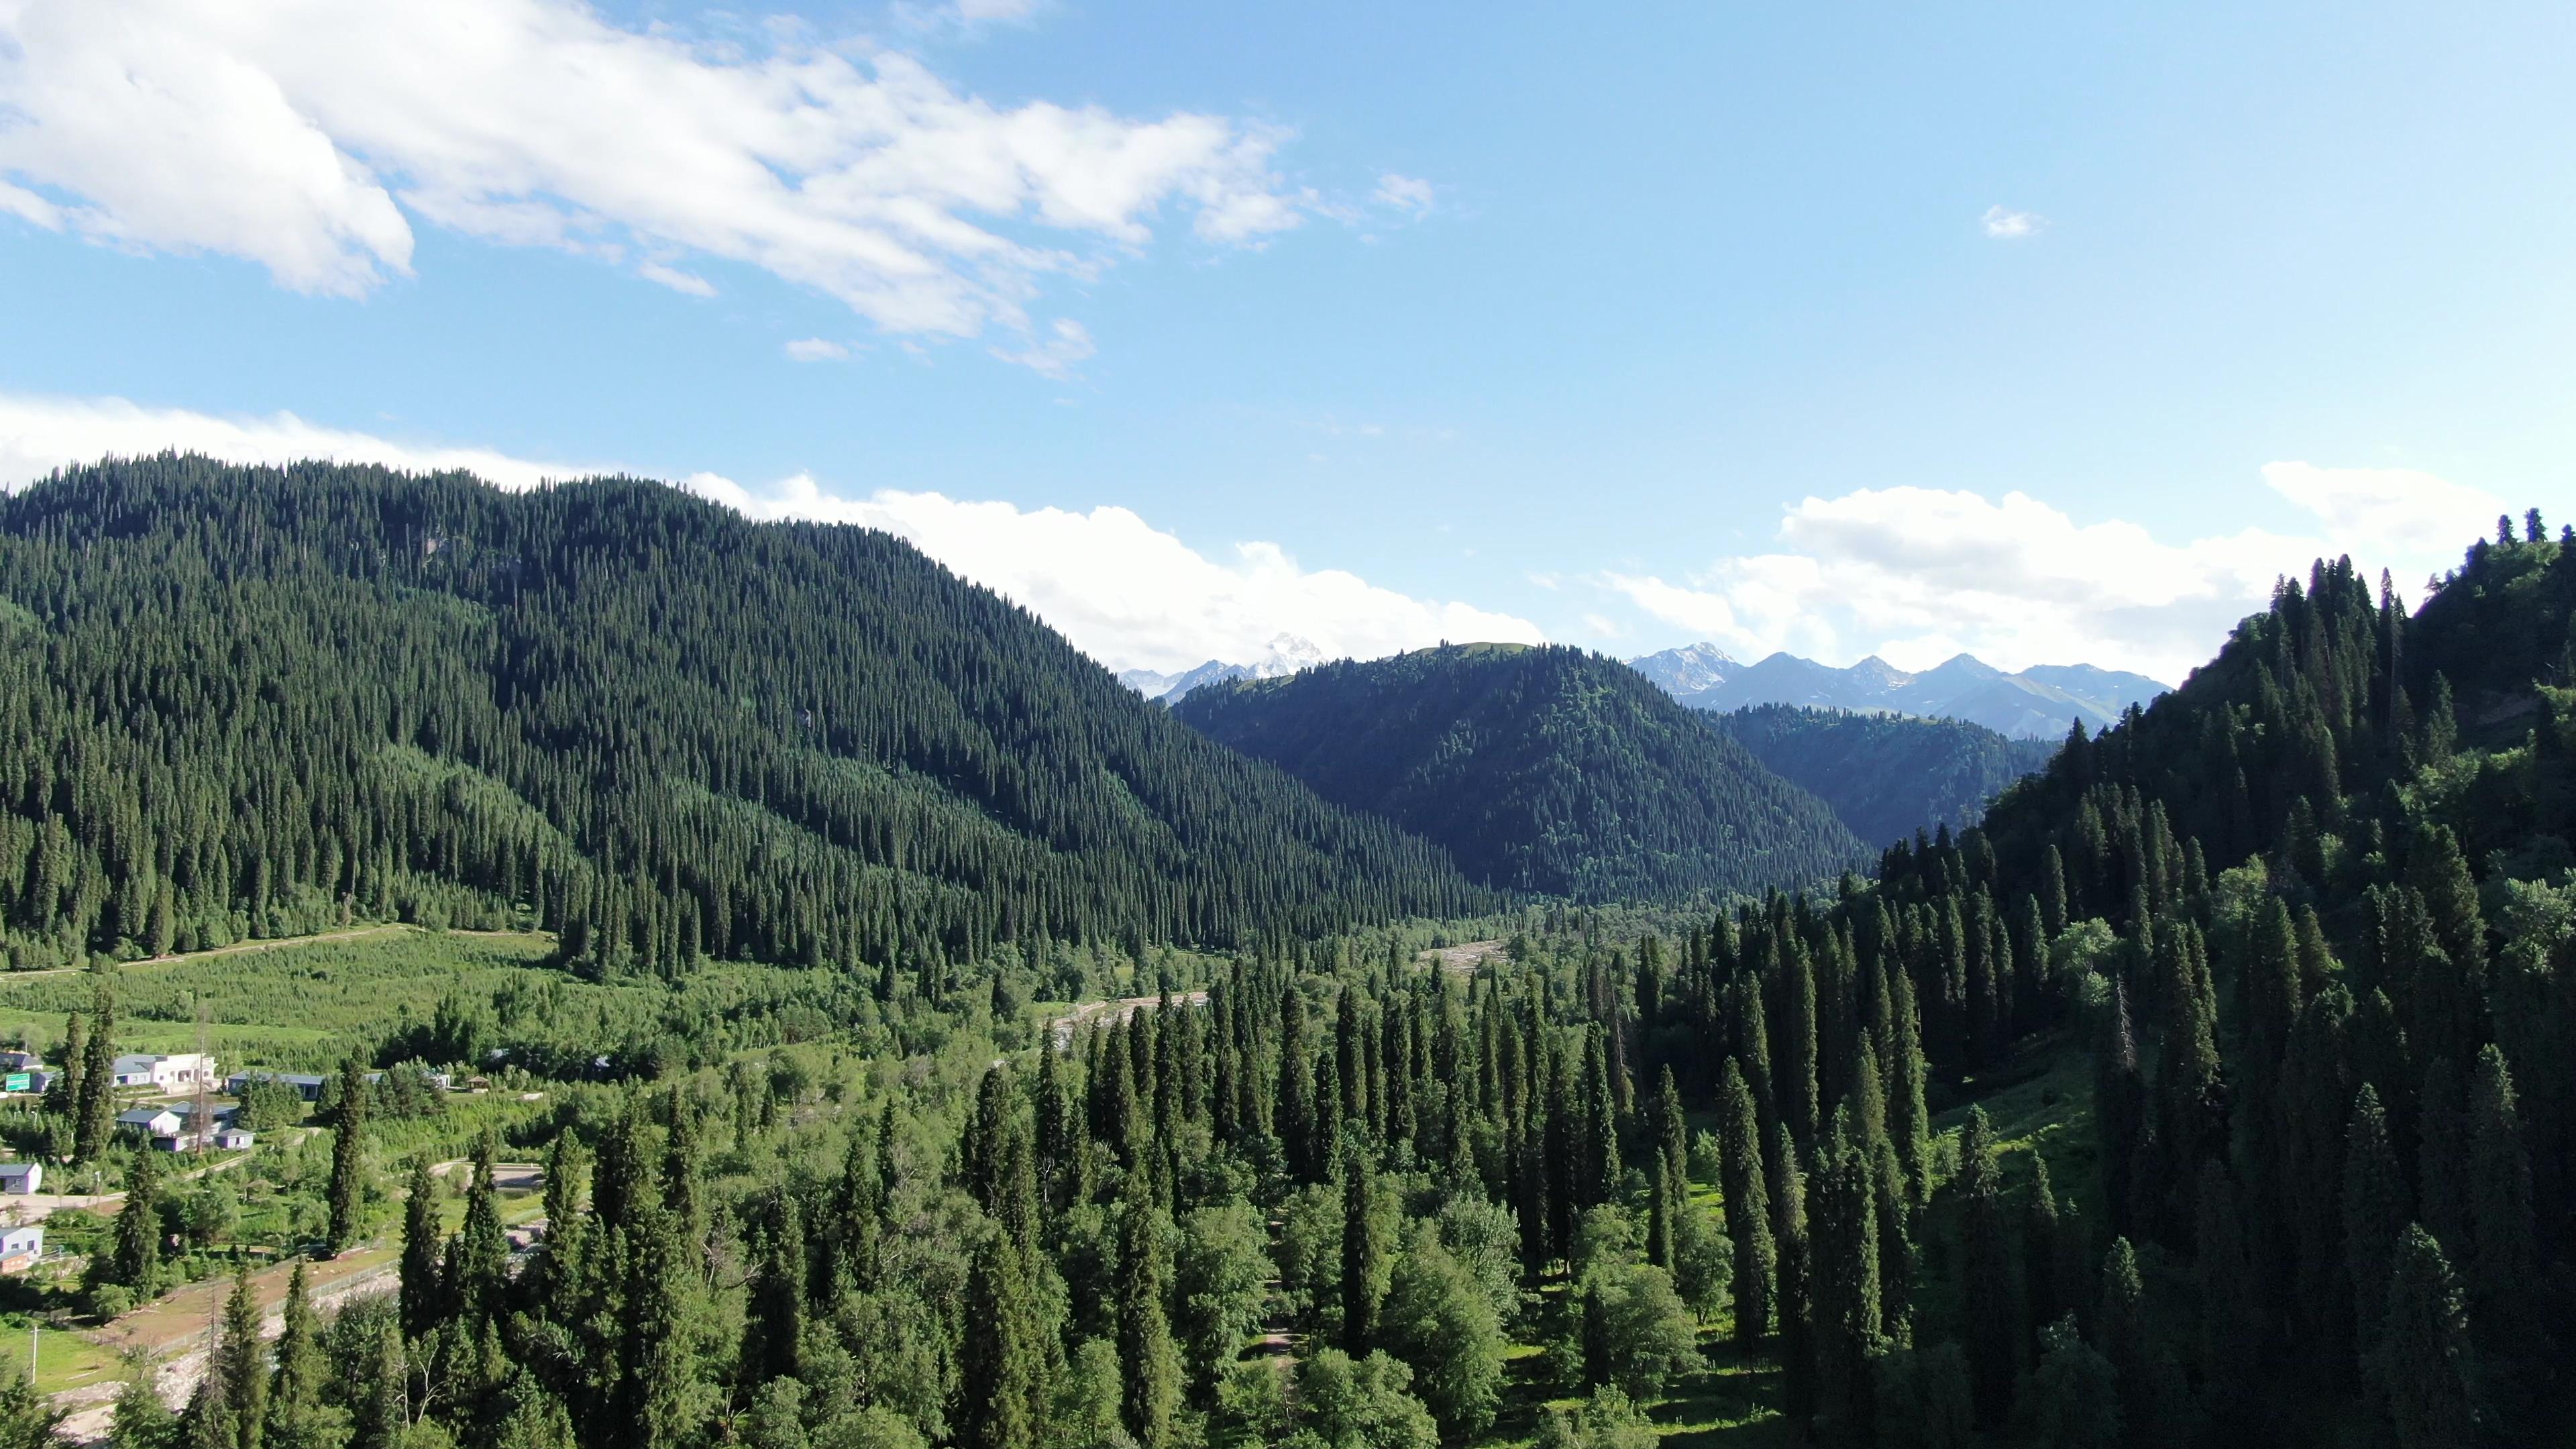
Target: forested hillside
x: 239, y: 701
x: 1886, y: 775
x: 1540, y: 769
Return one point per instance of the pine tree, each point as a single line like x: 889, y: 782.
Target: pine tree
x: 2374, y: 1218
x: 1002, y: 1388
x: 1796, y: 1271
x: 348, y: 1159
x: 2505, y: 1262
x: 1150, y: 1359
x: 1364, y: 1259
x: 2122, y: 1336
x: 2048, y: 1296
x: 424, y: 1293
x: 476, y: 1270
x: 1747, y: 1199
x: 97, y: 1102
x: 2425, y: 1363
x: 1992, y: 1319
x: 1844, y: 1290
x: 238, y: 1367
x: 298, y: 1415
x: 135, y: 1260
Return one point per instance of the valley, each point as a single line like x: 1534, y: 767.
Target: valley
x: 732, y: 1029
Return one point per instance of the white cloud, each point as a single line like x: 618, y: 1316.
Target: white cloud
x: 1130, y: 595
x: 40, y: 434
x: 310, y: 136
x: 677, y: 280
x: 816, y: 349
x: 1057, y: 356
x: 2006, y: 225
x: 1916, y: 575
x: 1405, y: 193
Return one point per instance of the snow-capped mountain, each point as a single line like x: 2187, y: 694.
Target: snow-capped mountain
x: 1286, y: 655
x: 1687, y: 670
x: 2037, y: 703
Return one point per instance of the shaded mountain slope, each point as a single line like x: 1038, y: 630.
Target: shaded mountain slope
x: 243, y: 700
x: 1540, y: 769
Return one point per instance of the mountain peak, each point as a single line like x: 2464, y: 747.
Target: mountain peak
x: 2034, y: 703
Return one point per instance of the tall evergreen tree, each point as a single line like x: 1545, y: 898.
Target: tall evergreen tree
x: 2425, y: 1362
x: 238, y: 1369
x: 1150, y: 1360
x: 1992, y: 1319
x: 97, y: 1103
x: 347, y: 1191
x: 2506, y: 1262
x: 299, y: 1415
x: 425, y: 1302
x: 135, y: 1258
x: 2375, y: 1217
x: 1746, y: 1195
x: 1002, y: 1388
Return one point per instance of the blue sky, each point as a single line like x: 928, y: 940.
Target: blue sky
x: 1713, y: 320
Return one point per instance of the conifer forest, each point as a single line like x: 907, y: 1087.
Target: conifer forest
x: 714, y: 983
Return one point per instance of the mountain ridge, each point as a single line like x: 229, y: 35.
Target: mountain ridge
x: 2035, y: 703
x: 1540, y: 768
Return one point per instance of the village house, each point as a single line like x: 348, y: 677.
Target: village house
x: 171, y: 1129
x: 307, y: 1085
x: 17, y: 1179
x: 179, y: 1072
x: 20, y: 1248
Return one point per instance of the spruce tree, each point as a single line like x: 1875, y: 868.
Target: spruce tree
x: 1150, y: 1360
x: 238, y: 1366
x: 1002, y: 1388
x: 2506, y: 1260
x: 476, y: 1270
x: 424, y: 1293
x: 2375, y: 1218
x: 1747, y: 1199
x: 96, y: 1107
x: 1790, y: 1303
x: 299, y: 1417
x: 2425, y: 1364
x: 1364, y: 1258
x: 1843, y: 1293
x: 348, y: 1160
x: 1986, y: 1305
x: 135, y: 1259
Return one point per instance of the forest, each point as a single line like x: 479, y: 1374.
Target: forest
x: 243, y: 702
x: 2214, y: 1088
x: 1886, y: 776
x: 1546, y: 770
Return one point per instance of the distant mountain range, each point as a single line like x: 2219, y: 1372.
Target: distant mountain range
x: 2037, y: 703
x: 1287, y: 655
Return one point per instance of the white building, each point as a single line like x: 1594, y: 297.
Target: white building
x: 182, y: 1072
x: 20, y: 1178
x: 20, y: 1248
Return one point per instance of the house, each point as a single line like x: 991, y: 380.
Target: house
x: 152, y: 1121
x: 232, y: 1139
x: 21, y: 1178
x: 181, y: 1072
x: 20, y: 1248
x: 19, y: 1061
x: 171, y: 1128
x: 306, y: 1084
